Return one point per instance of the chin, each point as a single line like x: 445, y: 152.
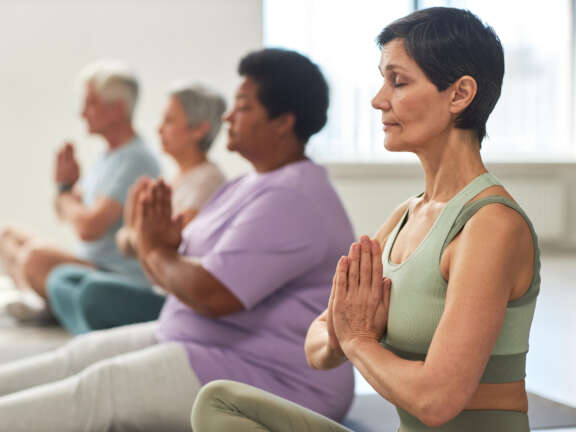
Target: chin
x: 396, y: 145
x: 392, y: 146
x: 230, y: 146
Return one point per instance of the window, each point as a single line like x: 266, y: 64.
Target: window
x: 532, y: 121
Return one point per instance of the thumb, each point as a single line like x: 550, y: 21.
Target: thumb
x: 386, y: 288
x: 179, y: 221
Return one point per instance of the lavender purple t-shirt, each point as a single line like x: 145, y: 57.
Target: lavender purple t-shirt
x: 273, y: 240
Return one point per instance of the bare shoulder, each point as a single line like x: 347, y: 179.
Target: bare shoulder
x: 497, y: 218
x: 387, y: 227
x: 499, y: 237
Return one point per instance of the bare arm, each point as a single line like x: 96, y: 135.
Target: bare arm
x: 126, y: 237
x: 158, y: 239
x: 322, y: 348
x: 125, y: 243
x: 194, y: 286
x: 89, y: 223
x: 484, y: 270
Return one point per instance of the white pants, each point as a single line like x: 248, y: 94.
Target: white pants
x: 112, y: 380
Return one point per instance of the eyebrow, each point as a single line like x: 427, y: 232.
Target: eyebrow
x: 391, y: 67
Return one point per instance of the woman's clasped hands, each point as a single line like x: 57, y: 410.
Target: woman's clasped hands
x: 358, y: 307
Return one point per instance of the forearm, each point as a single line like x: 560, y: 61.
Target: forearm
x: 179, y: 275
x: 71, y: 209
x: 319, y: 354
x: 124, y: 242
x: 411, y: 385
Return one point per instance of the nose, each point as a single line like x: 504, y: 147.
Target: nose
x: 227, y: 116
x: 381, y: 100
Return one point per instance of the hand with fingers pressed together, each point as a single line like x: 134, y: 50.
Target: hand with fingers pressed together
x: 153, y: 222
x: 333, y: 342
x: 130, y: 216
x: 67, y: 169
x: 361, y: 295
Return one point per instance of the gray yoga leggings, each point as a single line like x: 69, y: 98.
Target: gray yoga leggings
x: 225, y: 406
x: 112, y: 380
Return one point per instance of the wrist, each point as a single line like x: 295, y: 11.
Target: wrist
x: 64, y: 187
x: 357, y: 344
x: 153, y: 253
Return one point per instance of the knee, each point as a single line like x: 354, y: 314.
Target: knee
x: 63, y: 296
x: 219, y: 395
x: 93, y: 304
x: 11, y: 241
x: 7, y: 233
x: 98, y: 377
x: 31, y: 259
x: 58, y: 283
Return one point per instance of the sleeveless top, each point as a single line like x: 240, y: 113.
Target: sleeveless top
x: 419, y: 289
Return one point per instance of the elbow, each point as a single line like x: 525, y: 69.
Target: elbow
x: 311, y: 361
x: 436, y: 410
x: 213, y: 306
x: 88, y: 228
x: 87, y: 234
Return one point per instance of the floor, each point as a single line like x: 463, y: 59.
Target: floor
x: 551, y: 370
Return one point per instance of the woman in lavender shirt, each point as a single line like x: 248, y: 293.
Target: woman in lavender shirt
x: 245, y: 279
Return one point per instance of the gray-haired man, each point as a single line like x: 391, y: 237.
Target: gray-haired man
x: 93, y: 205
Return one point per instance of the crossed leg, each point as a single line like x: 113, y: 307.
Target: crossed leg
x: 29, y: 261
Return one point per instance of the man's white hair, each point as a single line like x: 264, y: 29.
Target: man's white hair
x: 113, y: 80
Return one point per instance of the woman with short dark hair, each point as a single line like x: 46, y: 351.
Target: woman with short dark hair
x: 434, y: 312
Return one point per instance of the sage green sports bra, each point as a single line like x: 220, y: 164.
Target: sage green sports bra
x: 419, y: 289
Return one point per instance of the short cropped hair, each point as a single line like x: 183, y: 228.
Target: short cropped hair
x: 289, y: 82
x: 113, y: 81
x: 448, y: 43
x: 201, y: 103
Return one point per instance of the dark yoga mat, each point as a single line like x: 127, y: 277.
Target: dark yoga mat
x: 371, y: 413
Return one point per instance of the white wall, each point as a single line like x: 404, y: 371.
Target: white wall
x: 547, y: 192
x: 43, y: 45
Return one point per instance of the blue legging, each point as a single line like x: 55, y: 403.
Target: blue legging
x: 85, y: 299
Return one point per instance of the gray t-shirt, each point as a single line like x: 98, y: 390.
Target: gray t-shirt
x: 111, y: 177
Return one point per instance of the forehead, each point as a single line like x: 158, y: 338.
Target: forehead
x: 394, y: 56
x: 248, y: 89
x: 91, y: 94
x: 174, y: 106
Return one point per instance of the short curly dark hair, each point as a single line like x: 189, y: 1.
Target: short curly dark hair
x: 448, y: 43
x: 289, y: 82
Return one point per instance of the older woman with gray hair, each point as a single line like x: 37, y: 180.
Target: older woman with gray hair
x: 85, y: 299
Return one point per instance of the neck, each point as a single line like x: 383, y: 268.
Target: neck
x: 285, y: 151
x: 119, y: 135
x: 456, y: 164
x: 190, y: 159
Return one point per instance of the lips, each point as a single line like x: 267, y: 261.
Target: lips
x: 388, y: 125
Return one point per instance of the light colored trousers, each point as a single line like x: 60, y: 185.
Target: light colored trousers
x: 112, y: 380
x: 229, y: 406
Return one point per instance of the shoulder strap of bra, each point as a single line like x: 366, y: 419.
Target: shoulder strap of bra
x: 470, y: 210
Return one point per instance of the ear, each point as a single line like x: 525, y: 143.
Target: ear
x: 200, y: 131
x: 463, y: 93
x: 120, y: 107
x: 285, y: 123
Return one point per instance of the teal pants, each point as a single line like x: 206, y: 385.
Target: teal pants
x: 84, y: 299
